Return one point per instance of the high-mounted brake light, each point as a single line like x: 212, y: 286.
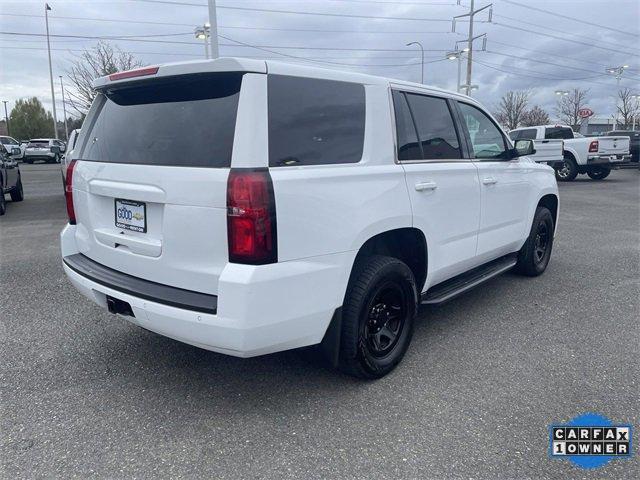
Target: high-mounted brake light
x: 593, y: 146
x: 68, y: 192
x: 251, y: 217
x: 138, y: 72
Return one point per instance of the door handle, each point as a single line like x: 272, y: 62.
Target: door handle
x: 489, y: 181
x: 425, y: 186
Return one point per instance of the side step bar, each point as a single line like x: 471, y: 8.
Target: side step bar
x: 455, y: 286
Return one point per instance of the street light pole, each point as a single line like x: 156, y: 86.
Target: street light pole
x: 6, y: 116
x: 53, y: 95
x: 422, y: 62
x: 203, y: 33
x: 617, y: 71
x: 470, y: 47
x: 213, y: 36
x: 64, y: 110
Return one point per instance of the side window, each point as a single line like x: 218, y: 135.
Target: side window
x: 408, y: 146
x: 558, y: 133
x: 515, y: 135
x: 486, y: 138
x: 436, y: 130
x: 528, y: 134
x: 314, y: 122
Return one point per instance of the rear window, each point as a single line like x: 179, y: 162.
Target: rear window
x: 38, y: 143
x: 314, y: 122
x: 526, y: 134
x: 186, y: 121
x: 564, y: 133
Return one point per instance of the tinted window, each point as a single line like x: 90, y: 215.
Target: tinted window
x: 526, y: 134
x: 8, y: 141
x: 435, y: 126
x: 181, y: 121
x: 558, y: 132
x: 38, y: 143
x: 313, y: 122
x: 408, y: 146
x: 486, y: 138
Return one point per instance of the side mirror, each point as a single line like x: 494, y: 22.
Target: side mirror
x: 524, y: 147
x: 55, y: 149
x: 15, y: 151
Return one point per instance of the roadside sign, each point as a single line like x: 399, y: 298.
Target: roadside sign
x: 585, y: 112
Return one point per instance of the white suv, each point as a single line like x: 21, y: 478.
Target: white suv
x: 259, y: 206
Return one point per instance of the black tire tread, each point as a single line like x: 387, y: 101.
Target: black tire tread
x: 17, y: 194
x: 525, y: 264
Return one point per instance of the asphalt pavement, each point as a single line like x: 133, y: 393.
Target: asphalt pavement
x: 86, y: 394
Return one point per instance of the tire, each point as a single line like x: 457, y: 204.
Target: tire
x: 535, y: 254
x: 377, y: 317
x: 598, y: 173
x: 17, y: 194
x: 3, y: 202
x: 568, y: 171
x: 56, y: 159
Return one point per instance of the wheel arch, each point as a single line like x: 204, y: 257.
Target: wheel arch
x: 551, y: 201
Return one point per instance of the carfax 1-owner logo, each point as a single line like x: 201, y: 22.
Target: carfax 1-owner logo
x: 590, y: 440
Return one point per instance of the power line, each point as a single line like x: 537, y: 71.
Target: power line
x: 555, y: 14
x: 513, y: 27
x: 297, y: 12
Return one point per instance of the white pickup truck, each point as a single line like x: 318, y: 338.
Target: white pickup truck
x: 548, y: 150
x: 595, y: 156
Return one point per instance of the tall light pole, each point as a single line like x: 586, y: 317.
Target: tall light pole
x: 6, y: 116
x: 456, y: 55
x: 64, y: 110
x: 617, y: 71
x: 203, y: 33
x: 213, y: 35
x: 53, y: 95
x: 422, y: 62
x: 562, y: 93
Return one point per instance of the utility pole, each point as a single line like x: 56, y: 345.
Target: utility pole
x: 6, y: 117
x: 53, y: 95
x: 213, y: 33
x: 64, y: 109
x: 470, y: 39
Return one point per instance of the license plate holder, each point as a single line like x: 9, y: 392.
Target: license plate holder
x: 130, y: 215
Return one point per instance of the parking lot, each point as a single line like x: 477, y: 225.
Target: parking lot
x: 84, y: 393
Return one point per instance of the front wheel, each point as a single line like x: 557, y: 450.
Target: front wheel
x: 535, y: 254
x: 568, y: 171
x: 599, y: 173
x: 377, y: 317
x: 3, y: 202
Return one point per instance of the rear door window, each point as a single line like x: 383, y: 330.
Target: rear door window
x: 314, y: 121
x: 436, y: 130
x: 407, y: 137
x: 563, y: 133
x: 186, y: 121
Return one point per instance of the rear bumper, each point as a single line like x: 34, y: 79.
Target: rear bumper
x: 38, y: 156
x: 260, y: 309
x: 611, y: 160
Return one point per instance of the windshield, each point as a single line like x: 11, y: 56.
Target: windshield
x: 180, y: 121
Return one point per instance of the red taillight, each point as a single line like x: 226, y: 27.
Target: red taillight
x: 68, y: 192
x: 138, y: 72
x: 251, y: 217
x: 593, y: 146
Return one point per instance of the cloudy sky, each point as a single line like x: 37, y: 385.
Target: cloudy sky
x: 541, y: 46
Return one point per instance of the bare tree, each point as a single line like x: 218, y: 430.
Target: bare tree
x: 535, y: 116
x: 569, y: 105
x: 103, y: 59
x: 511, y: 109
x: 627, y: 107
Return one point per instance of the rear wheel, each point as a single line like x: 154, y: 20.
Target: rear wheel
x: 378, y: 313
x: 17, y: 194
x: 534, y: 255
x: 568, y: 171
x: 599, y: 173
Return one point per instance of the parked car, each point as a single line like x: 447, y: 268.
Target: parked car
x: 66, y: 158
x: 252, y: 212
x: 10, y: 143
x: 634, y: 141
x: 43, y: 149
x: 594, y: 156
x: 549, y: 151
x: 10, y: 180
